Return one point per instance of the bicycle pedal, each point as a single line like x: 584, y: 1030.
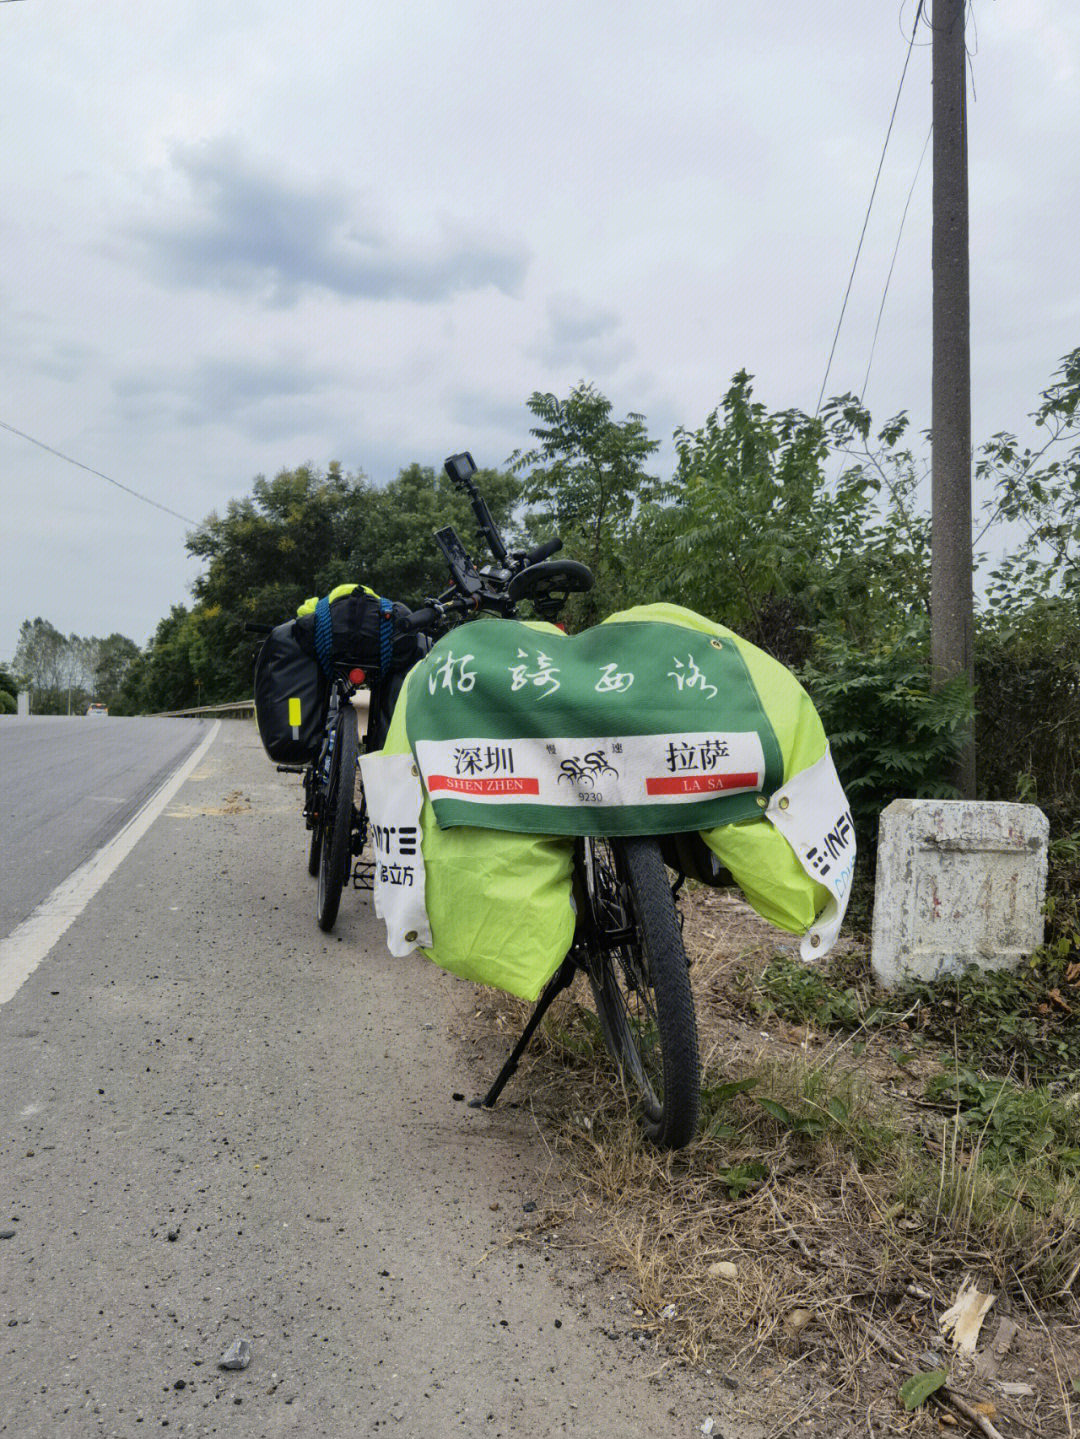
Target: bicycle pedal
x: 363, y: 876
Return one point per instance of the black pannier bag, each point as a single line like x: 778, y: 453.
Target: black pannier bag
x: 291, y: 697
x: 357, y: 631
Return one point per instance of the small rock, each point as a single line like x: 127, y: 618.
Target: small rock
x: 7, y: 1233
x: 494, y: 1206
x: 458, y: 1097
x: 669, y: 1311
x: 529, y: 1206
x: 709, y: 1425
x: 237, y: 1356
x: 724, y: 1269
x: 796, y: 1320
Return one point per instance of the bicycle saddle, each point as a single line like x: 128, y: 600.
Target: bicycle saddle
x: 548, y: 579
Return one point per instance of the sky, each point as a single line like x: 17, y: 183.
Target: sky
x: 239, y: 238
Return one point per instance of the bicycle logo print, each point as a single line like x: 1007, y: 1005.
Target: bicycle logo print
x: 586, y: 769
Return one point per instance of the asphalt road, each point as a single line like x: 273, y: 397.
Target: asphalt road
x: 68, y: 785
x: 217, y: 1122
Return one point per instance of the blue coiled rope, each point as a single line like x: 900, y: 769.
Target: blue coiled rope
x: 324, y: 636
x: 386, y: 635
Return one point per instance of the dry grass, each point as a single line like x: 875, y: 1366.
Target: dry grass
x: 774, y: 1251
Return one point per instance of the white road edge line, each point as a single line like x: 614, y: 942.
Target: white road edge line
x: 28, y: 943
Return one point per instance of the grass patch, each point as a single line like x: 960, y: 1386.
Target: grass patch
x: 859, y: 1154
x: 1025, y: 1021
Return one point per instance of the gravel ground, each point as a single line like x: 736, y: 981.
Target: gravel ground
x: 218, y: 1122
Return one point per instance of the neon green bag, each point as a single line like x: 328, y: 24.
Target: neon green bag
x: 498, y: 900
x: 758, y: 857
x: 498, y: 904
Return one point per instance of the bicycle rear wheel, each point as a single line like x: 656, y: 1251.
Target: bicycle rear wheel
x: 640, y: 979
x: 336, y: 816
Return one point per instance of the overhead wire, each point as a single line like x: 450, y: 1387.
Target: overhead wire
x: 892, y: 262
x: 99, y: 473
x: 870, y: 205
x: 972, y: 51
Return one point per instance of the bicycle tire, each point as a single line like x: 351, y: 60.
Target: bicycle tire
x: 335, y: 857
x: 314, y: 848
x: 641, y: 985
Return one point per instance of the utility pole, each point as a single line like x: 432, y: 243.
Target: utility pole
x: 951, y: 602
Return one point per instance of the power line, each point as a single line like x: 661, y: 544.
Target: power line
x: 892, y: 262
x: 873, y: 192
x: 89, y: 470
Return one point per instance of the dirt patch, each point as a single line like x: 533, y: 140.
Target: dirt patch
x: 236, y: 802
x: 801, y: 1251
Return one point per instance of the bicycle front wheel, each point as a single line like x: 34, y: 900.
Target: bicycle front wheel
x: 640, y: 979
x: 336, y: 816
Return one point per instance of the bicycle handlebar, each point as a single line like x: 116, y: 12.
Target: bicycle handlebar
x: 549, y: 547
x: 420, y: 619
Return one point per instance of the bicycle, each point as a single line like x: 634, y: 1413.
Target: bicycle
x: 628, y: 936
x: 335, y: 814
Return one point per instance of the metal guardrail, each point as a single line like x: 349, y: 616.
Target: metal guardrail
x: 234, y: 707
x: 240, y: 707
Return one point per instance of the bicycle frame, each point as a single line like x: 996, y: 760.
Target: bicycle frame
x: 628, y: 936
x: 382, y: 693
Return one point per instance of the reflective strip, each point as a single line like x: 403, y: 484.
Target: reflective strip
x: 294, y: 713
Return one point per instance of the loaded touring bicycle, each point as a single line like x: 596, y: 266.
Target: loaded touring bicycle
x: 536, y: 800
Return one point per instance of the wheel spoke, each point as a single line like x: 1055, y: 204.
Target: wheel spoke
x: 637, y: 971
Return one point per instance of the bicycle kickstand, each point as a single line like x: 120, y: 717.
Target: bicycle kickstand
x: 560, y: 980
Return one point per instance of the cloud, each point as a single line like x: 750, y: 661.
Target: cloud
x: 581, y: 335
x: 485, y: 411
x: 30, y: 342
x: 246, y: 230
x: 263, y: 399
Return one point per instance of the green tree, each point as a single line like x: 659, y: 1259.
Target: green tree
x: 584, y: 479
x: 54, y: 665
x: 299, y: 534
x: 1038, y: 489
x: 262, y: 558
x: 783, y: 526
x: 9, y: 691
x: 164, y: 676
x: 116, y: 654
x: 390, y: 542
x: 41, y: 655
x: 286, y: 541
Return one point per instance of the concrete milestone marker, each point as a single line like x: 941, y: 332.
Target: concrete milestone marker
x: 959, y: 882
